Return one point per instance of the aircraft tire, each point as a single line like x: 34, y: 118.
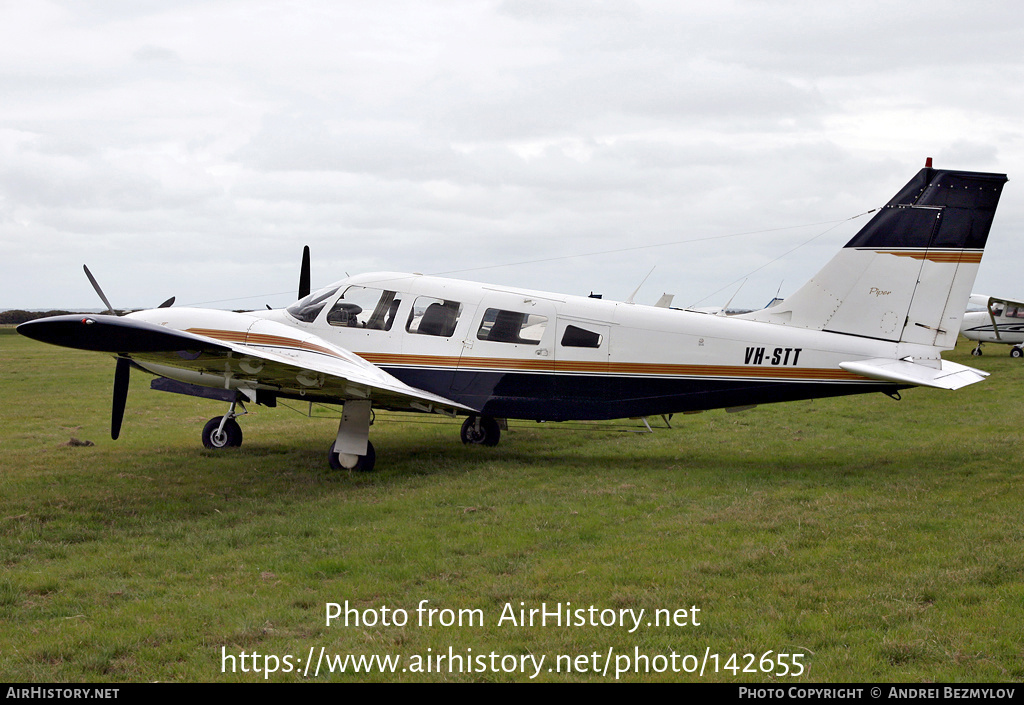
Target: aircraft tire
x: 976, y: 352
x: 364, y: 464
x: 1016, y: 352
x: 230, y: 438
x: 488, y: 435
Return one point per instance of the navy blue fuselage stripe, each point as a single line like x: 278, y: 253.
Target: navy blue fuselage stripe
x: 524, y: 395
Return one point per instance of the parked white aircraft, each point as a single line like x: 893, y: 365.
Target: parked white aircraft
x: 1002, y: 321
x: 874, y: 319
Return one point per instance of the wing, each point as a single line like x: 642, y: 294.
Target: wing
x: 242, y: 352
x: 989, y: 300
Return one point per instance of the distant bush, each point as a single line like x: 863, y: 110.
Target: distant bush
x: 17, y: 317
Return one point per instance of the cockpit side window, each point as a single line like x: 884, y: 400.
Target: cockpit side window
x: 430, y: 316
x: 364, y: 307
x: 308, y: 308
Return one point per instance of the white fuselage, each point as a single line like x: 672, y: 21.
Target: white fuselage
x: 528, y: 354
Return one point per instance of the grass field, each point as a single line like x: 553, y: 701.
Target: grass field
x: 882, y: 540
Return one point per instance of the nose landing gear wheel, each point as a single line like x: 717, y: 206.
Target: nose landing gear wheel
x: 359, y: 463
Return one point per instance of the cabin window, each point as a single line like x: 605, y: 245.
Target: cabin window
x: 997, y: 310
x: 430, y: 316
x: 1014, y: 312
x: 308, y: 308
x: 500, y: 326
x: 364, y: 307
x: 576, y: 337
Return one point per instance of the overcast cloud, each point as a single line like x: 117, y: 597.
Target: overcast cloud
x: 192, y: 148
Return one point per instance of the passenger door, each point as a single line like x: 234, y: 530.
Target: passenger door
x: 507, y: 362
x: 584, y: 384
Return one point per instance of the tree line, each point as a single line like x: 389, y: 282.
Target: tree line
x: 17, y: 316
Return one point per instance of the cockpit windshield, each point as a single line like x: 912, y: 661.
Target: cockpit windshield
x: 308, y: 308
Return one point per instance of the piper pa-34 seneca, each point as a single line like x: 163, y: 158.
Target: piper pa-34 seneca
x: 1002, y: 321
x: 875, y: 319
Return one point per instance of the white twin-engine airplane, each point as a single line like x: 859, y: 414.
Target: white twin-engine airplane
x: 1002, y: 321
x: 875, y: 319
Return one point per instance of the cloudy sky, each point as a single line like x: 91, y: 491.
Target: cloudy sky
x: 192, y: 148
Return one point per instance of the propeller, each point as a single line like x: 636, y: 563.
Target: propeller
x: 304, y: 273
x: 106, y: 302
x: 96, y: 286
x: 122, y: 372
x: 121, y: 375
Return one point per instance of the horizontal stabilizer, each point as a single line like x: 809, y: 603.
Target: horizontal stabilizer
x: 951, y: 376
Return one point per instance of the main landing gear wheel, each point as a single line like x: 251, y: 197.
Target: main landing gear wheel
x: 976, y: 351
x: 1016, y: 352
x: 481, y: 430
x: 360, y: 463
x: 229, y: 437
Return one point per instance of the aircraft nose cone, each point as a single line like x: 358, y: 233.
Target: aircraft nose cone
x: 74, y: 331
x: 113, y: 334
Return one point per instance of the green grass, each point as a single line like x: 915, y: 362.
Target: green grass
x: 881, y: 539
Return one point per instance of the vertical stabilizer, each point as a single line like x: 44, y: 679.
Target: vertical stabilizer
x: 907, y: 275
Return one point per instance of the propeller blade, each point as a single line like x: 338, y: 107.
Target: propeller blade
x: 96, y: 286
x: 167, y: 304
x: 304, y: 274
x: 124, y: 368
